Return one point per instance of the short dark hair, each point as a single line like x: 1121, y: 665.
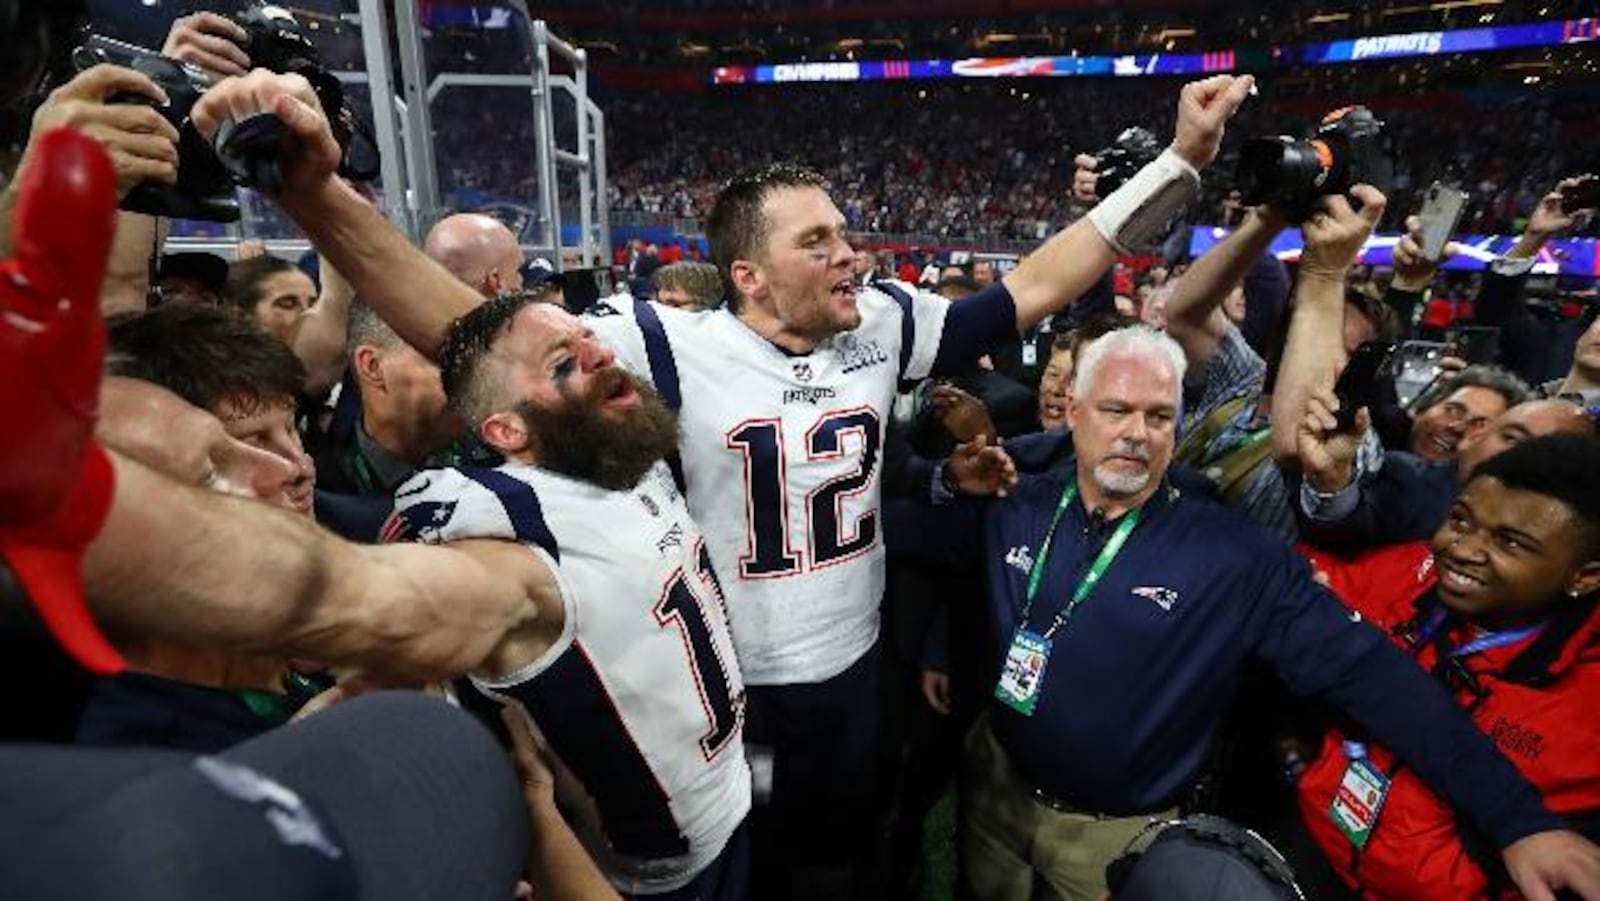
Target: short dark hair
x: 1564, y: 467
x: 1512, y: 389
x: 205, y: 356
x: 736, y: 227
x: 1386, y: 325
x: 965, y: 283
x: 245, y: 278
x: 366, y: 327
x: 1096, y: 327
x: 699, y: 280
x: 467, y: 345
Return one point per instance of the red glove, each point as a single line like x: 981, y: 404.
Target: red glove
x: 55, y: 486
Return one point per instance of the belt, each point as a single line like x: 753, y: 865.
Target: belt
x: 1052, y: 801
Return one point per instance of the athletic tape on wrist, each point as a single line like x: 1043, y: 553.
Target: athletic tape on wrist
x: 1136, y: 215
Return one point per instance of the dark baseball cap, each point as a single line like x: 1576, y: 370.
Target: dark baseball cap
x: 208, y: 268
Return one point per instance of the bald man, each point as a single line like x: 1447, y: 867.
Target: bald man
x: 479, y: 250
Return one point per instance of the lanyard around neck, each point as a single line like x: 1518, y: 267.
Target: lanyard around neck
x: 1097, y: 569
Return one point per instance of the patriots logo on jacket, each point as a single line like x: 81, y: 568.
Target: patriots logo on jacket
x: 423, y: 521
x: 1165, y: 598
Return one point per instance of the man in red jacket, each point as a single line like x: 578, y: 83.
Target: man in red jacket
x: 1501, y: 607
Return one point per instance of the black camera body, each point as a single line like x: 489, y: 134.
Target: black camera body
x: 1134, y: 149
x: 1293, y: 175
x: 243, y: 153
x: 204, y: 189
x: 1584, y: 194
x: 276, y: 40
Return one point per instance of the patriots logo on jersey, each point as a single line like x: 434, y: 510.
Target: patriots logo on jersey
x: 1165, y: 598
x: 802, y: 372
x: 422, y: 521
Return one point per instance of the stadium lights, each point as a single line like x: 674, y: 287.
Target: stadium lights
x: 1325, y: 18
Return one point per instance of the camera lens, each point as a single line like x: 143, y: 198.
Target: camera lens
x: 1281, y: 171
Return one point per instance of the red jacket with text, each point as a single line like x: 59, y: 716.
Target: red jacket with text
x: 1538, y: 699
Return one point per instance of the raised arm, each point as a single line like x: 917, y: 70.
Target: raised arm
x: 1315, y: 346
x: 320, y: 335
x: 416, y: 296
x: 1070, y: 261
x: 1194, y: 308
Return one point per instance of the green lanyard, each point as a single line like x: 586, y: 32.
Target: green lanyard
x: 1096, y: 569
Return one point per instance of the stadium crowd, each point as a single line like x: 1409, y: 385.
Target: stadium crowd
x: 821, y: 574
x: 993, y: 160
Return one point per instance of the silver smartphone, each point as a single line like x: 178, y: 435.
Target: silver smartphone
x: 1442, y: 208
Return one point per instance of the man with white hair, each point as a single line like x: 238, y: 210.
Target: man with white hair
x: 1125, y: 610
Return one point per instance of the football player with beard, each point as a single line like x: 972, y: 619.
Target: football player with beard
x: 629, y: 672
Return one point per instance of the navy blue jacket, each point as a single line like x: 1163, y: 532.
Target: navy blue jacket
x: 1139, y: 680
x: 1404, y: 501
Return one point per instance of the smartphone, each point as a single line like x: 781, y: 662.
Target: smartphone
x: 1477, y: 344
x: 1360, y: 383
x: 1442, y: 208
x: 1585, y: 195
x: 1416, y: 366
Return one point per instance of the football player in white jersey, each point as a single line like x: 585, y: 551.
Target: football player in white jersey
x: 629, y: 672
x: 783, y: 472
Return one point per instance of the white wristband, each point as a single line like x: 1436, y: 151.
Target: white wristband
x: 1137, y: 214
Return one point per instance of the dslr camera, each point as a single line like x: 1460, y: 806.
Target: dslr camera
x: 1293, y: 175
x: 243, y: 153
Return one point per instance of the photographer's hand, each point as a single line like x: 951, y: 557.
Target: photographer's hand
x: 210, y: 42
x: 312, y: 165
x: 1327, y: 455
x: 142, y: 144
x: 1335, y: 235
x: 1204, y: 108
x: 1412, y: 269
x: 1546, y: 221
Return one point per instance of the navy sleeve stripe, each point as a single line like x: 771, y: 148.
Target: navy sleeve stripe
x: 579, y: 718
x: 976, y: 325
x: 908, y: 322
x: 522, y: 507
x: 663, y: 366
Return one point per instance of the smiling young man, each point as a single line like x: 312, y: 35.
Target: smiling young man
x: 1500, y: 607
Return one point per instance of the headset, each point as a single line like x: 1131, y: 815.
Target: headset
x: 1228, y: 838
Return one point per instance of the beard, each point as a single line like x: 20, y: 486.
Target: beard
x: 1118, y: 483
x: 614, y: 451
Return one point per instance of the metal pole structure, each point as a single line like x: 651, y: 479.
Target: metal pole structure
x: 544, y: 144
x: 597, y: 157
x: 585, y: 186
x: 375, y: 43
x: 420, y: 161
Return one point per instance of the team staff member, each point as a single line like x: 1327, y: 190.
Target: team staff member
x: 1126, y: 610
x: 1501, y: 609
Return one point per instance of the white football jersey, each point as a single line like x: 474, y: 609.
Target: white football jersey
x: 781, y: 457
x: 641, y: 697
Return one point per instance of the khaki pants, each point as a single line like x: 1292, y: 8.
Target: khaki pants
x: 1015, y: 847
